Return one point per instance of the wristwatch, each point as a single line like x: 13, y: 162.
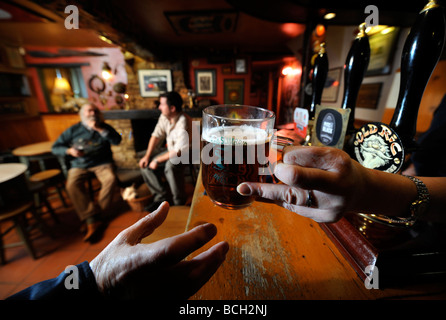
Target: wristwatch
x: 420, y: 205
x: 417, y: 208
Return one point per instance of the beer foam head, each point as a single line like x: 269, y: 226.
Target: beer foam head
x: 236, y: 135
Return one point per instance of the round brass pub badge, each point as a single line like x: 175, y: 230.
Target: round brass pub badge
x: 377, y: 146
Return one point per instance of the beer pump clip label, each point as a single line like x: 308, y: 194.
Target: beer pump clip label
x: 330, y: 126
x: 377, y: 146
x: 301, y: 117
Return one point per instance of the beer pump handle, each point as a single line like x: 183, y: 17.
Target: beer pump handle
x: 420, y: 55
x: 320, y: 72
x: 354, y: 70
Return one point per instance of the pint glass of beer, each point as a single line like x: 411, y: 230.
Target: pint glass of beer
x: 235, y: 148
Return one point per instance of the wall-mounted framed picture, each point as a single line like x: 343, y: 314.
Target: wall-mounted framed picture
x: 205, y: 82
x: 11, y: 57
x: 241, y: 66
x: 382, y: 50
x: 331, y: 87
x: 234, y: 89
x: 368, y: 95
x: 152, y: 82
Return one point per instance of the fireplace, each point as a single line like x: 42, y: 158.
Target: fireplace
x: 135, y: 127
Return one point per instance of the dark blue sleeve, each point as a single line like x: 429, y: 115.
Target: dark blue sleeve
x: 79, y: 285
x: 63, y: 142
x: 113, y: 136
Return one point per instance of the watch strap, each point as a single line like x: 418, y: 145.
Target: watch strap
x: 417, y: 207
x: 423, y: 197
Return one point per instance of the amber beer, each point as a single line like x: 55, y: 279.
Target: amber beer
x: 231, y: 162
x: 235, y: 149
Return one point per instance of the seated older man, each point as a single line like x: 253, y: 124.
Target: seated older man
x: 87, y: 145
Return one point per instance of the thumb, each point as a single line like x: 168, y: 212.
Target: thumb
x: 146, y: 225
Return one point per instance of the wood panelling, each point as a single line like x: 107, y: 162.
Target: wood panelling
x: 20, y: 132
x: 55, y: 124
x: 23, y: 131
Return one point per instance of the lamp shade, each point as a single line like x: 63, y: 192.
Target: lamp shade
x: 61, y: 86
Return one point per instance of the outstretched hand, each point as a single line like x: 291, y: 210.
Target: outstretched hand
x: 127, y: 268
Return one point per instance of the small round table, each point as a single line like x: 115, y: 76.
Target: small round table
x: 9, y: 171
x: 38, y: 152
x: 15, y: 202
x: 13, y: 185
x: 35, y: 149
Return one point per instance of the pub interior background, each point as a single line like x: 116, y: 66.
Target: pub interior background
x: 255, y: 55
x: 35, y: 43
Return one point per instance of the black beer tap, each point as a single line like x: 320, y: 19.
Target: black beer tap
x: 385, y: 147
x: 354, y: 70
x: 421, y: 53
x: 320, y: 71
x: 334, y: 127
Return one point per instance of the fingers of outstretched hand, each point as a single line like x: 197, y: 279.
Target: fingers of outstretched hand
x: 146, y: 225
x: 175, y: 249
x: 198, y: 270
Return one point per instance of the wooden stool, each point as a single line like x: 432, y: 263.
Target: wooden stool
x: 39, y: 190
x: 17, y: 215
x: 52, y: 177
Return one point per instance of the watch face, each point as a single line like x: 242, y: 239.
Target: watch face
x: 377, y: 146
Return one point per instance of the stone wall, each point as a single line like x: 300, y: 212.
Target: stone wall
x: 125, y: 154
x: 135, y: 100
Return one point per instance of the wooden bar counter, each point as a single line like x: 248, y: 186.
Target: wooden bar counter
x: 276, y: 254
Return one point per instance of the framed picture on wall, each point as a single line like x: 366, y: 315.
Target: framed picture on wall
x: 331, y: 87
x: 152, y: 82
x: 234, y: 89
x: 382, y: 51
x: 240, y: 66
x: 205, y: 82
x: 368, y: 95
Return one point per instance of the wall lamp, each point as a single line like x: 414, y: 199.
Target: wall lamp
x: 106, y: 71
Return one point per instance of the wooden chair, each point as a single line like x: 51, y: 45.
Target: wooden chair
x: 17, y: 215
x: 41, y: 181
x: 40, y: 192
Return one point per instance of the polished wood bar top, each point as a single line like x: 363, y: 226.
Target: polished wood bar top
x: 277, y: 254
x: 34, y: 149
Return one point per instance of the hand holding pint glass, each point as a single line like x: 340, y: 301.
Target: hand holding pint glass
x: 236, y: 141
